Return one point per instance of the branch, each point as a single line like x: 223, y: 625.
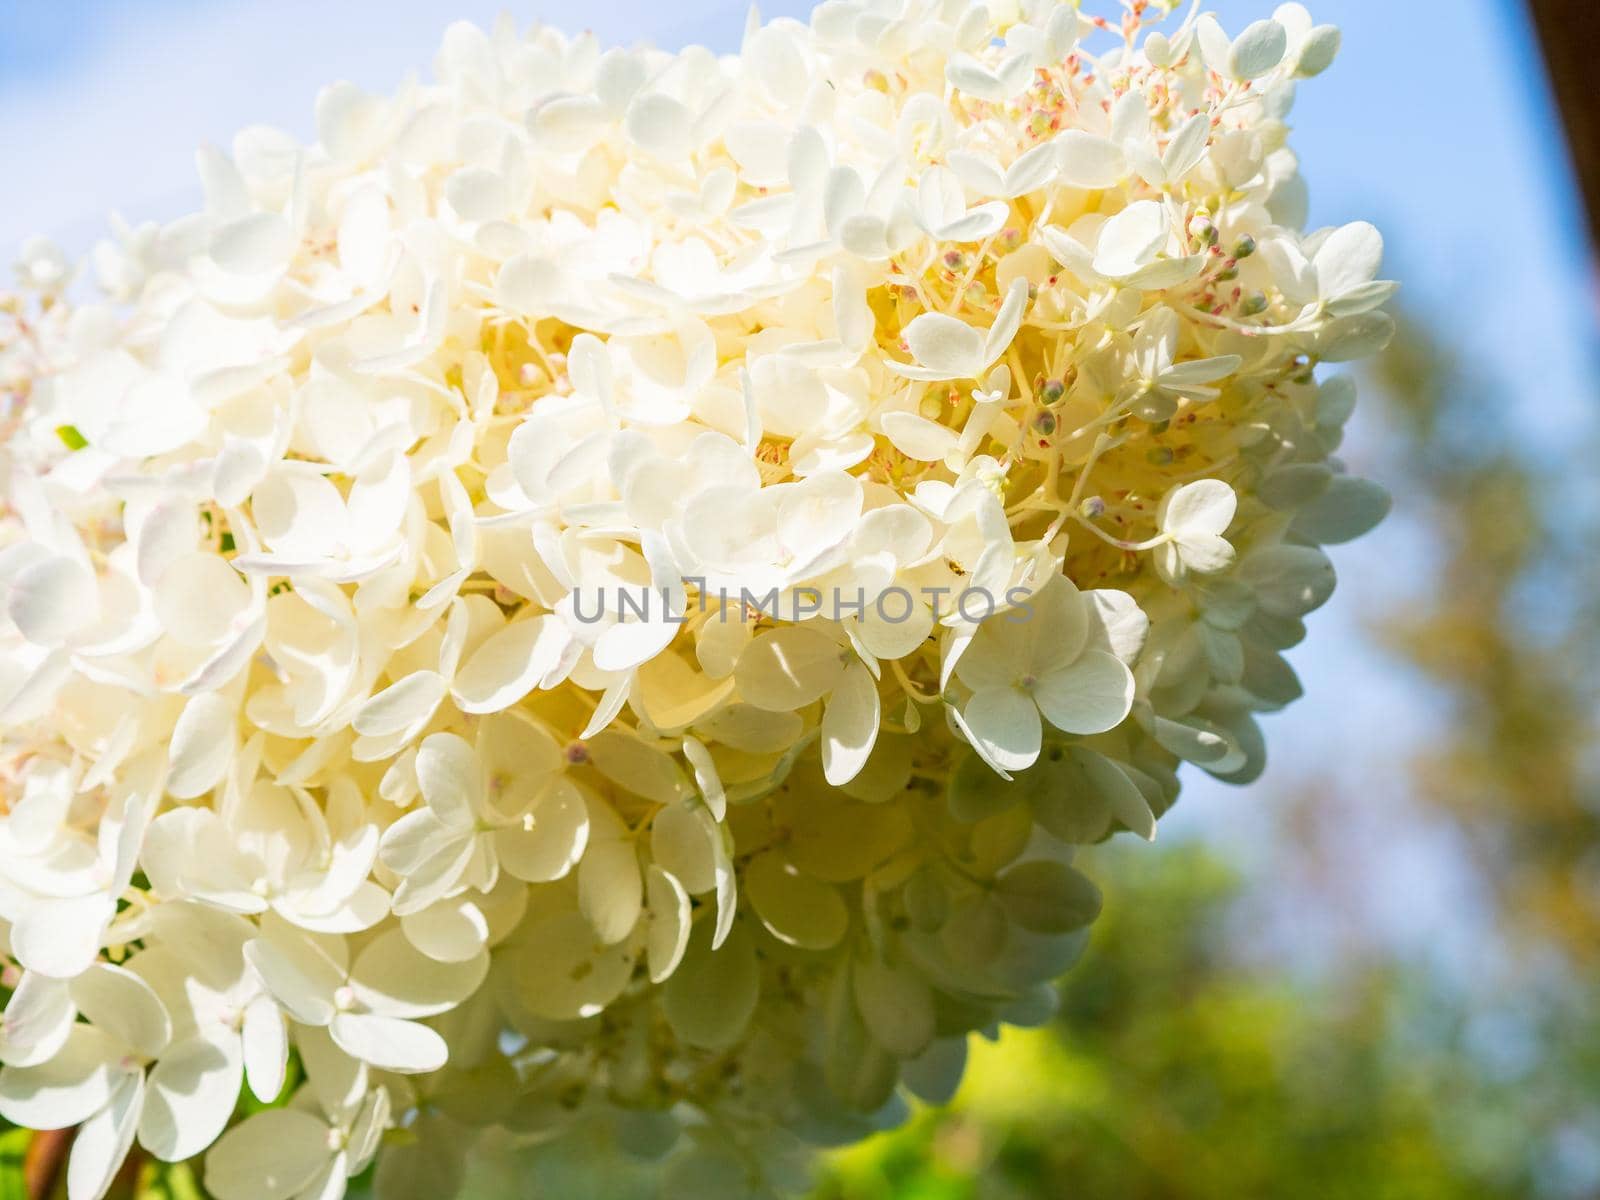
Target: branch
x: 1569, y: 31
x: 41, y: 1165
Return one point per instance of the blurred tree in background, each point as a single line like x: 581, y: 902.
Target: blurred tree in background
x: 1512, y: 632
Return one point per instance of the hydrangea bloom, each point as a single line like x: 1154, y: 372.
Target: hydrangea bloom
x: 600, y: 597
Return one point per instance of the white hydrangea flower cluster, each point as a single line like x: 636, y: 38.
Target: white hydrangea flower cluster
x: 603, y: 594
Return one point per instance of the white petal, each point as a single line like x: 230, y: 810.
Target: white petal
x: 198, y: 597
x: 1032, y: 170
x: 392, y: 977
x: 788, y: 668
x: 61, y: 938
x: 727, y: 891
x: 1006, y: 723
x: 1007, y: 321
x: 265, y: 1040
x: 975, y: 225
x: 453, y: 930
x: 1090, y: 161
x: 333, y: 1180
x: 298, y: 974
x: 415, y: 839
x: 636, y: 765
x: 347, y: 120
x: 1257, y: 50
x: 668, y: 934
x: 1349, y: 258
x: 364, y: 235
x: 1165, y: 273
x: 1201, y: 370
x: 404, y: 704
x: 565, y: 973
x: 1318, y: 50
x: 659, y: 124
x: 258, y: 244
x: 117, y: 1001
x: 1205, y: 553
x: 1093, y: 695
x: 168, y: 532
x: 201, y: 746
x: 1131, y: 239
x: 298, y: 514
x: 852, y: 317
x: 850, y: 725
x: 439, y: 874
x: 389, y: 1043
x: 38, y: 1020
x: 191, y: 1094
x: 1070, y: 253
x: 1214, y: 44
x: 1187, y: 147
x: 103, y: 1141
x: 1003, y: 646
x: 269, y: 1156
x: 451, y: 779
x: 1119, y: 625
x: 1190, y: 742
x: 370, y: 1124
x: 632, y: 643
x: 610, y: 890
x: 66, y: 1090
x: 478, y: 194
x: 53, y: 599
x: 509, y: 664
x: 945, y: 345
x: 1204, y: 506
x: 529, y: 284
x: 1126, y: 801
x: 917, y: 437
x: 684, y: 840
x: 554, y: 844
x: 338, y: 1082
x: 706, y: 777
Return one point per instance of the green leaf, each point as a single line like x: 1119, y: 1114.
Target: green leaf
x: 167, y: 1181
x: 13, y: 1150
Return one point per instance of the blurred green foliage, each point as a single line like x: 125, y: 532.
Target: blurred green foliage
x: 13, y: 1151
x: 1511, y: 634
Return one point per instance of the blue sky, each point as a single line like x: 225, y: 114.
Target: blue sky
x: 1435, y: 123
